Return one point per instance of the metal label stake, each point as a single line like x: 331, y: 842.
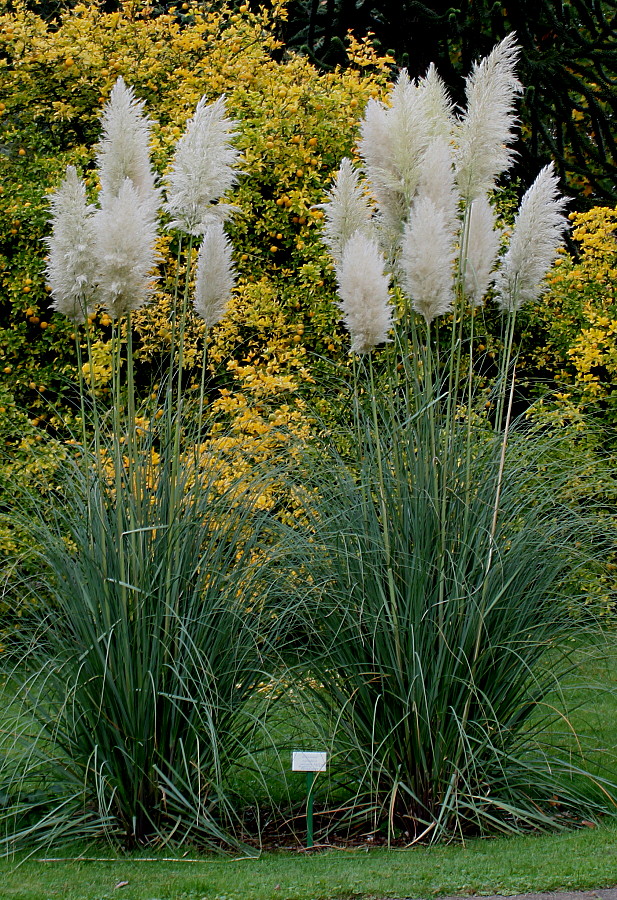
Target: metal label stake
x: 310, y: 781
x: 311, y: 763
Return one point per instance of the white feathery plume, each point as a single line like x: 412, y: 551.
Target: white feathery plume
x: 124, y: 151
x: 71, y: 263
x: 126, y: 255
x: 202, y: 169
x: 481, y: 243
x: 215, y: 277
x: 437, y: 180
x: 347, y: 210
x: 438, y: 106
x: 376, y: 152
x: 374, y: 143
x: 408, y: 133
x: 363, y: 291
x: 487, y: 128
x: 538, y: 231
x: 392, y: 142
x: 426, y: 260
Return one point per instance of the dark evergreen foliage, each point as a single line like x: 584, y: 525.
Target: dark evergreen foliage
x: 568, y: 64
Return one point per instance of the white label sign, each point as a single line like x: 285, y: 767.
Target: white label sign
x: 307, y: 761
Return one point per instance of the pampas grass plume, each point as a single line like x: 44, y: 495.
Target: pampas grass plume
x: 409, y: 133
x: 482, y: 245
x: 125, y: 240
x: 71, y: 261
x: 124, y: 149
x: 392, y: 143
x: 202, y: 169
x: 437, y: 105
x: 426, y: 260
x: 363, y: 291
x: 437, y: 180
x: 487, y: 128
x: 539, y: 227
x: 215, y: 277
x: 347, y: 210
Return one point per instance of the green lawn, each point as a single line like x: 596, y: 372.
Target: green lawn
x: 579, y: 860
x: 587, y: 702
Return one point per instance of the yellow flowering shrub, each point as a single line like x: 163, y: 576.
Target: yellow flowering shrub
x: 294, y: 124
x: 574, y: 327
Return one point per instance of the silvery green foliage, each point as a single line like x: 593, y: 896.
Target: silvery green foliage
x: 202, y: 170
x: 71, y: 261
x: 428, y: 171
x: 215, y: 277
x: 125, y: 239
x: 124, y: 149
x: 538, y: 228
x: 363, y: 291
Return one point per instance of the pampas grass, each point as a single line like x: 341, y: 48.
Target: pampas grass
x: 427, y: 260
x: 132, y: 689
x: 214, y: 275
x: 442, y: 529
x: 132, y: 692
x: 202, y: 170
x: 346, y: 211
x: 486, y: 131
x: 125, y: 237
x: 481, y: 251
x: 437, y: 183
x: 538, y: 229
x: 439, y: 635
x: 124, y: 150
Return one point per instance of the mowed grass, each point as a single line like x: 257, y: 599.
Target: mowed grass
x: 578, y: 860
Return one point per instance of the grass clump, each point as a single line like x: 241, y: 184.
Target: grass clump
x: 440, y: 643
x: 131, y: 693
x: 152, y: 618
x: 446, y: 539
